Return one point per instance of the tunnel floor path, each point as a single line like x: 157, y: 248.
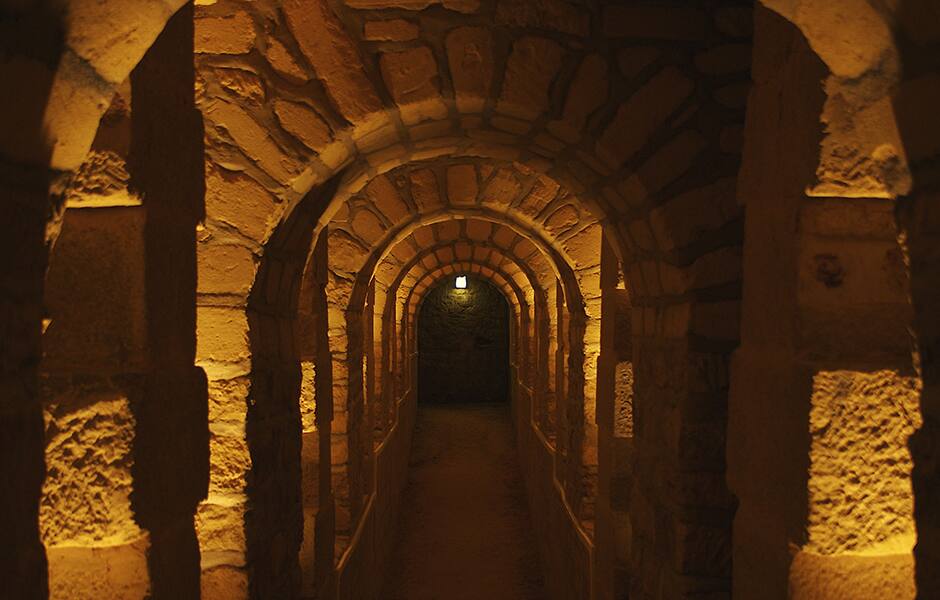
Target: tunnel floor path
x: 465, y: 532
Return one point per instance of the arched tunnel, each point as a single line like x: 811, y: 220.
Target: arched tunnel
x: 511, y: 299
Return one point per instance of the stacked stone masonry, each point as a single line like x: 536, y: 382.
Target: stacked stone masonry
x: 713, y: 225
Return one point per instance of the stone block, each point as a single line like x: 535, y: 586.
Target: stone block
x: 86, y: 496
x: 530, y: 70
x: 588, y: 91
x: 860, y: 497
x: 642, y: 115
x: 304, y: 123
x: 95, y: 295
x: 367, y: 226
x: 470, y: 57
x: 345, y: 253
x: 684, y: 218
x: 413, y: 82
x: 253, y: 139
x: 585, y: 247
x: 821, y: 577
x: 224, y: 582
x: 116, y: 571
x: 668, y: 164
x: 502, y: 189
x: 284, y: 63
x: 462, y: 185
x: 425, y: 191
x: 244, y: 85
x: 554, y: 15
x: 386, y: 198
x: 229, y: 34
x: 222, y: 341
x: 562, y: 219
x: 544, y: 191
x: 225, y: 268
x: 328, y: 48
x: 230, y: 462
x: 394, y: 30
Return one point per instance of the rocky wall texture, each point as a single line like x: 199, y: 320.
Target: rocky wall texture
x: 830, y: 329
x: 294, y: 91
x: 463, y: 344
x: 549, y: 120
x: 641, y: 130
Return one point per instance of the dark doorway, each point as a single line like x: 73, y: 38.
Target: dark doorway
x: 463, y: 344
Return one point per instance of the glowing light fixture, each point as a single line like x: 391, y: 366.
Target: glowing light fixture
x: 461, y: 282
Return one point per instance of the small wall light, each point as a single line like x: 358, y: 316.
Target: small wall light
x: 461, y: 282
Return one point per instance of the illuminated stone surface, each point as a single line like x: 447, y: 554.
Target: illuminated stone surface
x: 859, y: 487
x: 698, y: 241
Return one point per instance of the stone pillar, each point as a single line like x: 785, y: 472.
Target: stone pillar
x: 919, y: 222
x: 606, y: 368
x: 171, y: 447
x: 24, y: 212
x: 823, y: 394
x: 31, y: 43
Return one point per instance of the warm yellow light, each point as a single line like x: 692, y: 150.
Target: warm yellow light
x: 461, y: 282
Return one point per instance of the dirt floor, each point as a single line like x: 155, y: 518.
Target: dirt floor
x: 465, y: 531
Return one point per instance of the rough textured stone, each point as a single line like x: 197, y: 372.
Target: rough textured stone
x: 464, y: 336
x: 587, y: 93
x: 859, y: 487
x: 862, y: 577
x: 462, y: 185
x: 251, y: 214
x: 231, y: 34
x: 348, y: 254
x: 563, y: 219
x: 664, y: 167
x: 412, y: 79
x: 78, y: 335
x: 243, y: 84
x: 387, y: 199
x: 252, y: 138
x: 424, y: 190
x: 284, y: 63
x: 86, y: 494
x: 225, y: 269
x: 114, y: 571
x: 641, y: 115
x: 531, y: 68
x: 543, y: 192
x: 367, y: 226
x: 304, y: 123
x: 395, y: 30
x: 101, y: 181
x: 470, y: 56
x: 558, y: 15
x: 334, y: 57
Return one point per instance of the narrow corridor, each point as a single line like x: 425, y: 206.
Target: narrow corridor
x: 465, y: 530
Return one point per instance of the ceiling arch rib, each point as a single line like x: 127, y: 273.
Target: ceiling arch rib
x: 454, y: 241
x: 522, y: 280
x: 363, y: 232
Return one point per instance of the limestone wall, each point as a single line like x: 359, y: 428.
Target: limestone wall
x: 825, y: 336
x: 463, y: 344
